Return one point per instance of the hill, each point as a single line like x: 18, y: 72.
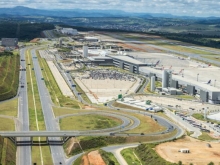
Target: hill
x: 7, y: 152
x: 9, y: 75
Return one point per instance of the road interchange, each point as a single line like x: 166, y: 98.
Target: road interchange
x: 52, y: 126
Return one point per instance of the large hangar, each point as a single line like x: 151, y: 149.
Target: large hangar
x: 208, y: 93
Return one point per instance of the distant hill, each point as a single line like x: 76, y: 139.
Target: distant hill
x: 25, y: 11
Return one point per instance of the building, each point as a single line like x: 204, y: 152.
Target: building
x: 69, y: 31
x: 101, y: 61
x: 152, y: 86
x: 10, y: 42
x: 91, y: 39
x: 207, y: 92
x: 127, y: 63
x: 85, y: 51
x: 166, y: 79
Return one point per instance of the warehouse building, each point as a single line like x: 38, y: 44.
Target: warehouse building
x: 10, y: 42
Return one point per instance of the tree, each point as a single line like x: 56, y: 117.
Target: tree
x: 211, y: 163
x: 180, y: 163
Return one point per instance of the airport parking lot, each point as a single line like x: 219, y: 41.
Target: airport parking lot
x: 101, y: 87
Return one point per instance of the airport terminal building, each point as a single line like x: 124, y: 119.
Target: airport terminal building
x: 207, y: 93
x: 127, y: 63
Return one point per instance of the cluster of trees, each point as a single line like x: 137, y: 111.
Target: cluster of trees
x: 6, y: 53
x: 23, y: 31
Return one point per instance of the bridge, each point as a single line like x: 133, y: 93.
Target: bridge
x: 48, y: 137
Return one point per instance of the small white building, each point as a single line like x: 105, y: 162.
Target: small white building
x: 184, y: 150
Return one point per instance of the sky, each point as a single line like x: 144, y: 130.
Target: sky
x: 199, y: 8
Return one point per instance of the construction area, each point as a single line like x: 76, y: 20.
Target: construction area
x: 104, y: 85
x: 200, y: 152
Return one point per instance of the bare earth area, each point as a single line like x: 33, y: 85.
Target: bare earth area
x: 200, y: 153
x: 93, y: 158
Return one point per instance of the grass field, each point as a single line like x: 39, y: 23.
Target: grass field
x: 186, y: 97
x: 59, y: 111
x: 108, y: 158
x: 205, y: 137
x: 88, y: 122
x: 9, y: 108
x: 147, y: 125
x: 47, y: 159
x: 148, y: 155
x: 33, y: 98
x: 56, y: 95
x: 9, y: 76
x: 6, y: 124
x: 7, y: 152
x: 200, y: 116
x: 129, y: 156
x: 88, y: 143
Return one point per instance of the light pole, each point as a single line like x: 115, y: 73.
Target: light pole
x: 197, y: 76
x: 215, y: 83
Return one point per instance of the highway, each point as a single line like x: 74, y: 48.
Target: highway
x: 23, y: 153
x: 57, y: 152
x: 162, y: 121
x: 128, y: 122
x: 52, y: 126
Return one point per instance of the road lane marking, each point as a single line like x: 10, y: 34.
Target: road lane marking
x: 35, y: 109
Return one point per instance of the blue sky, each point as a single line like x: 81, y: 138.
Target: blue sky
x: 175, y: 7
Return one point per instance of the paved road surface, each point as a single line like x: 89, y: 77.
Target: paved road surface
x: 24, y: 152
x: 57, y: 152
x: 116, y: 150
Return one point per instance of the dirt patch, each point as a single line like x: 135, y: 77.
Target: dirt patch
x: 200, y: 153
x: 72, y: 144
x: 35, y: 40
x: 85, y: 160
x: 92, y: 158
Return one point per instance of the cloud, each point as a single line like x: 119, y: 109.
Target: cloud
x: 176, y: 7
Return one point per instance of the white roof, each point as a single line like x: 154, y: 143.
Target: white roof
x: 127, y: 59
x: 181, y: 80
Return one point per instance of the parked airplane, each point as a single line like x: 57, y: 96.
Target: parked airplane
x: 209, y: 82
x: 178, y: 73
